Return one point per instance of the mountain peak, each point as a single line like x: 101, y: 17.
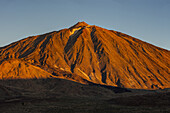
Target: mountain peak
x: 80, y: 24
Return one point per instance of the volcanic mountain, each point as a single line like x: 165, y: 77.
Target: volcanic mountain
x: 88, y: 54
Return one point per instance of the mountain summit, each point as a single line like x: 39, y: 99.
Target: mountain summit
x: 80, y: 24
x: 88, y: 54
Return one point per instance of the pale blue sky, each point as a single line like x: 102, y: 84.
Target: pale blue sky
x: 148, y: 20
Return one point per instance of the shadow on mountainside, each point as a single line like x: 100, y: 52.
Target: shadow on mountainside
x: 54, y: 87
x: 59, y: 95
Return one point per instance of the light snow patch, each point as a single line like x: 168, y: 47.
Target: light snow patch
x: 74, y: 31
x: 83, y: 73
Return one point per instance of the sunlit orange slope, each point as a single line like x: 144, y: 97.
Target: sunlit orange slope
x: 88, y: 53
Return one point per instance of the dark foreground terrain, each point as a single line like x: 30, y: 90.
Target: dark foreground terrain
x: 63, y: 96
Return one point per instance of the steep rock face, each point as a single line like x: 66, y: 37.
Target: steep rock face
x: 91, y: 53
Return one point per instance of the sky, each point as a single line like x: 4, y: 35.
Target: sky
x: 147, y: 20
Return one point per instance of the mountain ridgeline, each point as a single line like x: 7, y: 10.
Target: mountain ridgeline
x: 88, y: 54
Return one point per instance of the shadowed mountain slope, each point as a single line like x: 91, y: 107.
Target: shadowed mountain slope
x: 84, y: 53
